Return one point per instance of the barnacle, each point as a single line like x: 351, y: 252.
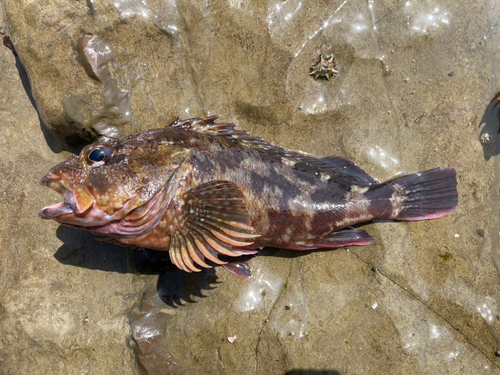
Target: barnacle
x: 325, y: 67
x: 485, y: 138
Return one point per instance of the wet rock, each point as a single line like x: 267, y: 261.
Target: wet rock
x: 70, y: 304
x: 56, y: 315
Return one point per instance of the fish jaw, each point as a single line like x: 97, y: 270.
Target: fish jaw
x: 62, y: 208
x: 56, y: 210
x: 77, y: 201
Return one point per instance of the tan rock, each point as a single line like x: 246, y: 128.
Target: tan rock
x: 412, y: 93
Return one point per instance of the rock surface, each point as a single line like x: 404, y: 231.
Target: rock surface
x: 413, y: 92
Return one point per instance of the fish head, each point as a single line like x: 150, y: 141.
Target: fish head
x: 109, y: 180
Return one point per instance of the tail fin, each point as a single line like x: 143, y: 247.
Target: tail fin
x: 425, y: 195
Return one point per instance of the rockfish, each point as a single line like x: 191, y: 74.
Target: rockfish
x: 201, y: 190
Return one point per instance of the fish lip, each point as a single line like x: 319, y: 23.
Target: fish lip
x: 68, y: 206
x: 55, y: 210
x: 49, y: 177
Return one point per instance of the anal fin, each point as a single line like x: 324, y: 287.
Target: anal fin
x: 344, y: 237
x: 239, y: 268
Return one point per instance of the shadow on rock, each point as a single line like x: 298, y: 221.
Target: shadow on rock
x: 174, y: 287
x: 54, y: 144
x: 81, y: 249
x: 489, y: 136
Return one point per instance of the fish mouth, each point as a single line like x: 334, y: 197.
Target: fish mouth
x: 70, y: 205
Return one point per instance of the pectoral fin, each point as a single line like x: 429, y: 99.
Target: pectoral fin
x: 216, y: 220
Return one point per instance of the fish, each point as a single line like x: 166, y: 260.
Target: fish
x: 208, y: 194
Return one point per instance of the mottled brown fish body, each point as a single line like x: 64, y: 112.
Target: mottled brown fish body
x: 200, y: 190
x: 287, y: 205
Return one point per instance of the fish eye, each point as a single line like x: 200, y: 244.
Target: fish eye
x: 97, y: 155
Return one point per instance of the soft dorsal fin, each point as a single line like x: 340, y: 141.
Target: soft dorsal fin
x: 334, y: 166
x: 215, y: 220
x: 347, y: 168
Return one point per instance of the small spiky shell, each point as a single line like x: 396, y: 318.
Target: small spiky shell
x: 325, y: 67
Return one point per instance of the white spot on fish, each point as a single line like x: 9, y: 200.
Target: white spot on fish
x: 359, y: 189
x: 353, y: 220
x: 397, y: 200
x: 356, y: 211
x: 278, y: 193
x: 355, y: 191
x: 247, y: 163
x: 323, y: 206
x: 308, y: 224
x: 299, y: 205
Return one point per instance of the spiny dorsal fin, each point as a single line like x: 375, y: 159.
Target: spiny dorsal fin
x: 334, y: 166
x: 215, y: 221
x: 208, y: 125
